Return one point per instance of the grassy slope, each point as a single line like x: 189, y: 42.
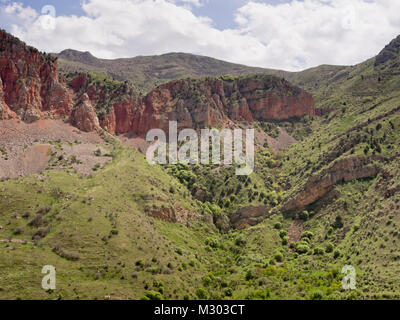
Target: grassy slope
x: 253, y: 263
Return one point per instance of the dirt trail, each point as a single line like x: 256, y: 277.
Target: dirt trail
x: 295, y: 231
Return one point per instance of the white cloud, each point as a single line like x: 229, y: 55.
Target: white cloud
x: 288, y: 36
x: 315, y: 32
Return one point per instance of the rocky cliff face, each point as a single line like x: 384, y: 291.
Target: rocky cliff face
x: 217, y: 101
x: 321, y: 184
x: 30, y: 85
x: 30, y: 89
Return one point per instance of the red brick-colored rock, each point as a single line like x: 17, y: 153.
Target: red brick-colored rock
x: 31, y: 87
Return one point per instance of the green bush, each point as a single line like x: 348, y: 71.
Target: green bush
x: 283, y: 233
x: 240, y: 242
x: 304, y: 215
x: 337, y: 254
x: 153, y: 295
x: 329, y: 248
x: 318, y: 251
x: 285, y: 240
x: 250, y: 274
x: 278, y: 257
x: 278, y: 226
x: 307, y: 234
x: 302, y: 248
x: 202, y: 293
x: 317, y: 295
x: 228, y: 292
x: 140, y: 263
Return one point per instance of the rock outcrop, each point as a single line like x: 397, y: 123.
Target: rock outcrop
x: 83, y: 115
x: 31, y: 89
x: 175, y: 214
x: 218, y: 101
x: 320, y: 185
x: 249, y: 216
x: 5, y: 112
x: 30, y: 85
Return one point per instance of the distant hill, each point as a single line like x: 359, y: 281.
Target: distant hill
x: 147, y: 72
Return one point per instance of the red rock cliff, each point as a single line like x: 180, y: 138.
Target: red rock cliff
x: 29, y: 80
x: 216, y: 101
x: 30, y: 89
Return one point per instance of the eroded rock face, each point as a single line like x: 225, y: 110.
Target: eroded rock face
x: 31, y: 87
x: 5, y: 112
x: 319, y: 185
x: 175, y: 214
x: 249, y: 216
x: 216, y: 102
x: 83, y: 115
x: 222, y: 222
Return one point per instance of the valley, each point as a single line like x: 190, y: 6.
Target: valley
x: 77, y: 192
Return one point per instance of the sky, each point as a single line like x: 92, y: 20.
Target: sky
x: 282, y: 34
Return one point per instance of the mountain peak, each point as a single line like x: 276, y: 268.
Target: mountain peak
x: 78, y: 56
x: 390, y: 52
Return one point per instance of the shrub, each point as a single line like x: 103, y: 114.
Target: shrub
x: 26, y: 214
x: 228, y: 292
x: 283, y: 233
x: 140, y: 263
x: 307, y: 234
x: 207, y: 281
x: 202, y: 293
x: 317, y: 295
x: 250, y: 274
x: 18, y: 231
x: 337, y: 254
x: 278, y: 226
x: 285, y: 240
x: 41, y: 233
x: 153, y: 295
x: 278, y: 257
x: 260, y: 295
x: 73, y: 256
x: 304, y: 215
x: 240, y: 242
x: 329, y: 248
x: 302, y: 248
x: 318, y: 251
x: 338, y: 223
x: 213, y: 243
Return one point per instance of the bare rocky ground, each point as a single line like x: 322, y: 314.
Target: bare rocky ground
x: 30, y: 148
x: 280, y: 143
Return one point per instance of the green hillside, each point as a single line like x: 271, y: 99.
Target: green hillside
x: 97, y: 231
